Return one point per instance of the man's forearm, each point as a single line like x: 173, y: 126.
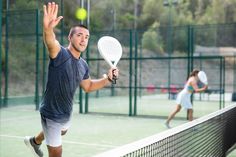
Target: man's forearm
x: 49, y: 38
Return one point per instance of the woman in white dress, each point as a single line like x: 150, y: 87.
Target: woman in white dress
x: 184, y: 97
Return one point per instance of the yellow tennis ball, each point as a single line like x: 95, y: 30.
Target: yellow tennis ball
x: 81, y: 14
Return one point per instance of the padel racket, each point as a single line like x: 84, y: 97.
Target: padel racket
x: 202, y: 77
x: 111, y: 50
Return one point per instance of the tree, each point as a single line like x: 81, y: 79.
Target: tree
x: 152, y: 12
x: 152, y: 39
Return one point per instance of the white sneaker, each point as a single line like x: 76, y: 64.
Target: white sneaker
x: 35, y: 148
x: 167, y: 125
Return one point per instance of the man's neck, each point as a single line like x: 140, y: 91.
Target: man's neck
x: 75, y: 53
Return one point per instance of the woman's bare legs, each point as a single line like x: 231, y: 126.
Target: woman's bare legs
x: 172, y: 115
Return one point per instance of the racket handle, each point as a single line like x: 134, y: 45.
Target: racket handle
x: 114, y: 78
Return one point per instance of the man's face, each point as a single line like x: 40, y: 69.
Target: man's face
x: 79, y: 39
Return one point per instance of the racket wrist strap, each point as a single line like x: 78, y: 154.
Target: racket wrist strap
x: 107, y: 77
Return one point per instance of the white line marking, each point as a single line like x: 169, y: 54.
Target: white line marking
x: 11, y: 136
x: 89, y: 144
x: 18, y: 118
x: 66, y: 141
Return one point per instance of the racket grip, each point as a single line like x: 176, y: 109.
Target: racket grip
x: 114, y: 78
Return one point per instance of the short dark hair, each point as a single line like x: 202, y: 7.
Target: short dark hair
x: 72, y: 30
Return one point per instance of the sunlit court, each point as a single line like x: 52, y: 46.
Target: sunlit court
x: 105, y: 128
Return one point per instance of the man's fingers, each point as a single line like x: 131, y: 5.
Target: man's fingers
x: 45, y: 10
x: 49, y: 7
x: 56, y: 10
x: 115, y: 72
x: 53, y: 8
x: 58, y: 20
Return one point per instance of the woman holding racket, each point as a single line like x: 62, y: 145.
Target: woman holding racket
x: 184, y: 97
x: 67, y: 70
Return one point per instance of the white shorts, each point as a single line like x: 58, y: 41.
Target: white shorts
x: 52, y: 131
x: 184, y: 99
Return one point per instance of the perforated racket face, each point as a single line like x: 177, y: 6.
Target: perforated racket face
x: 110, y: 49
x: 202, y: 76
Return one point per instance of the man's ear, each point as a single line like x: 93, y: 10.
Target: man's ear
x: 69, y: 37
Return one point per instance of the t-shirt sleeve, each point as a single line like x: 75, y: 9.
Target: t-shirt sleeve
x: 61, y: 57
x: 86, y: 74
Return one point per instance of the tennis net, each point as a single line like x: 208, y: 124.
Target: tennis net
x: 209, y: 136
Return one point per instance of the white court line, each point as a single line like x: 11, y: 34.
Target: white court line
x: 10, y: 136
x: 18, y: 118
x: 66, y: 141
x: 89, y: 144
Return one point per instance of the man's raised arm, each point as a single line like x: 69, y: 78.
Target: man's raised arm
x: 50, y: 21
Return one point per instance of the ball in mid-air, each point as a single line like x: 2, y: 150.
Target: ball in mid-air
x: 81, y: 14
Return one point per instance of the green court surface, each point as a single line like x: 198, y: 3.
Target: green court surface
x: 92, y: 133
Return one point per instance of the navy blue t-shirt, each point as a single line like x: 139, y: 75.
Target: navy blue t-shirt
x: 65, y: 73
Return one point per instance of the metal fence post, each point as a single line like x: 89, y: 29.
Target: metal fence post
x: 135, y: 72
x: 37, y: 62
x: 6, y: 60
x: 86, y: 110
x: 130, y: 72
x: 1, y: 53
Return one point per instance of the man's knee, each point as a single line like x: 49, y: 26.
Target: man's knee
x: 55, y: 151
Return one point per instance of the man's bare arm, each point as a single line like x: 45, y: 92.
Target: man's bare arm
x: 50, y: 21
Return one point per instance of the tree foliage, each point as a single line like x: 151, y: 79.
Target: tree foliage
x: 107, y: 15
x: 152, y: 39
x: 120, y: 14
